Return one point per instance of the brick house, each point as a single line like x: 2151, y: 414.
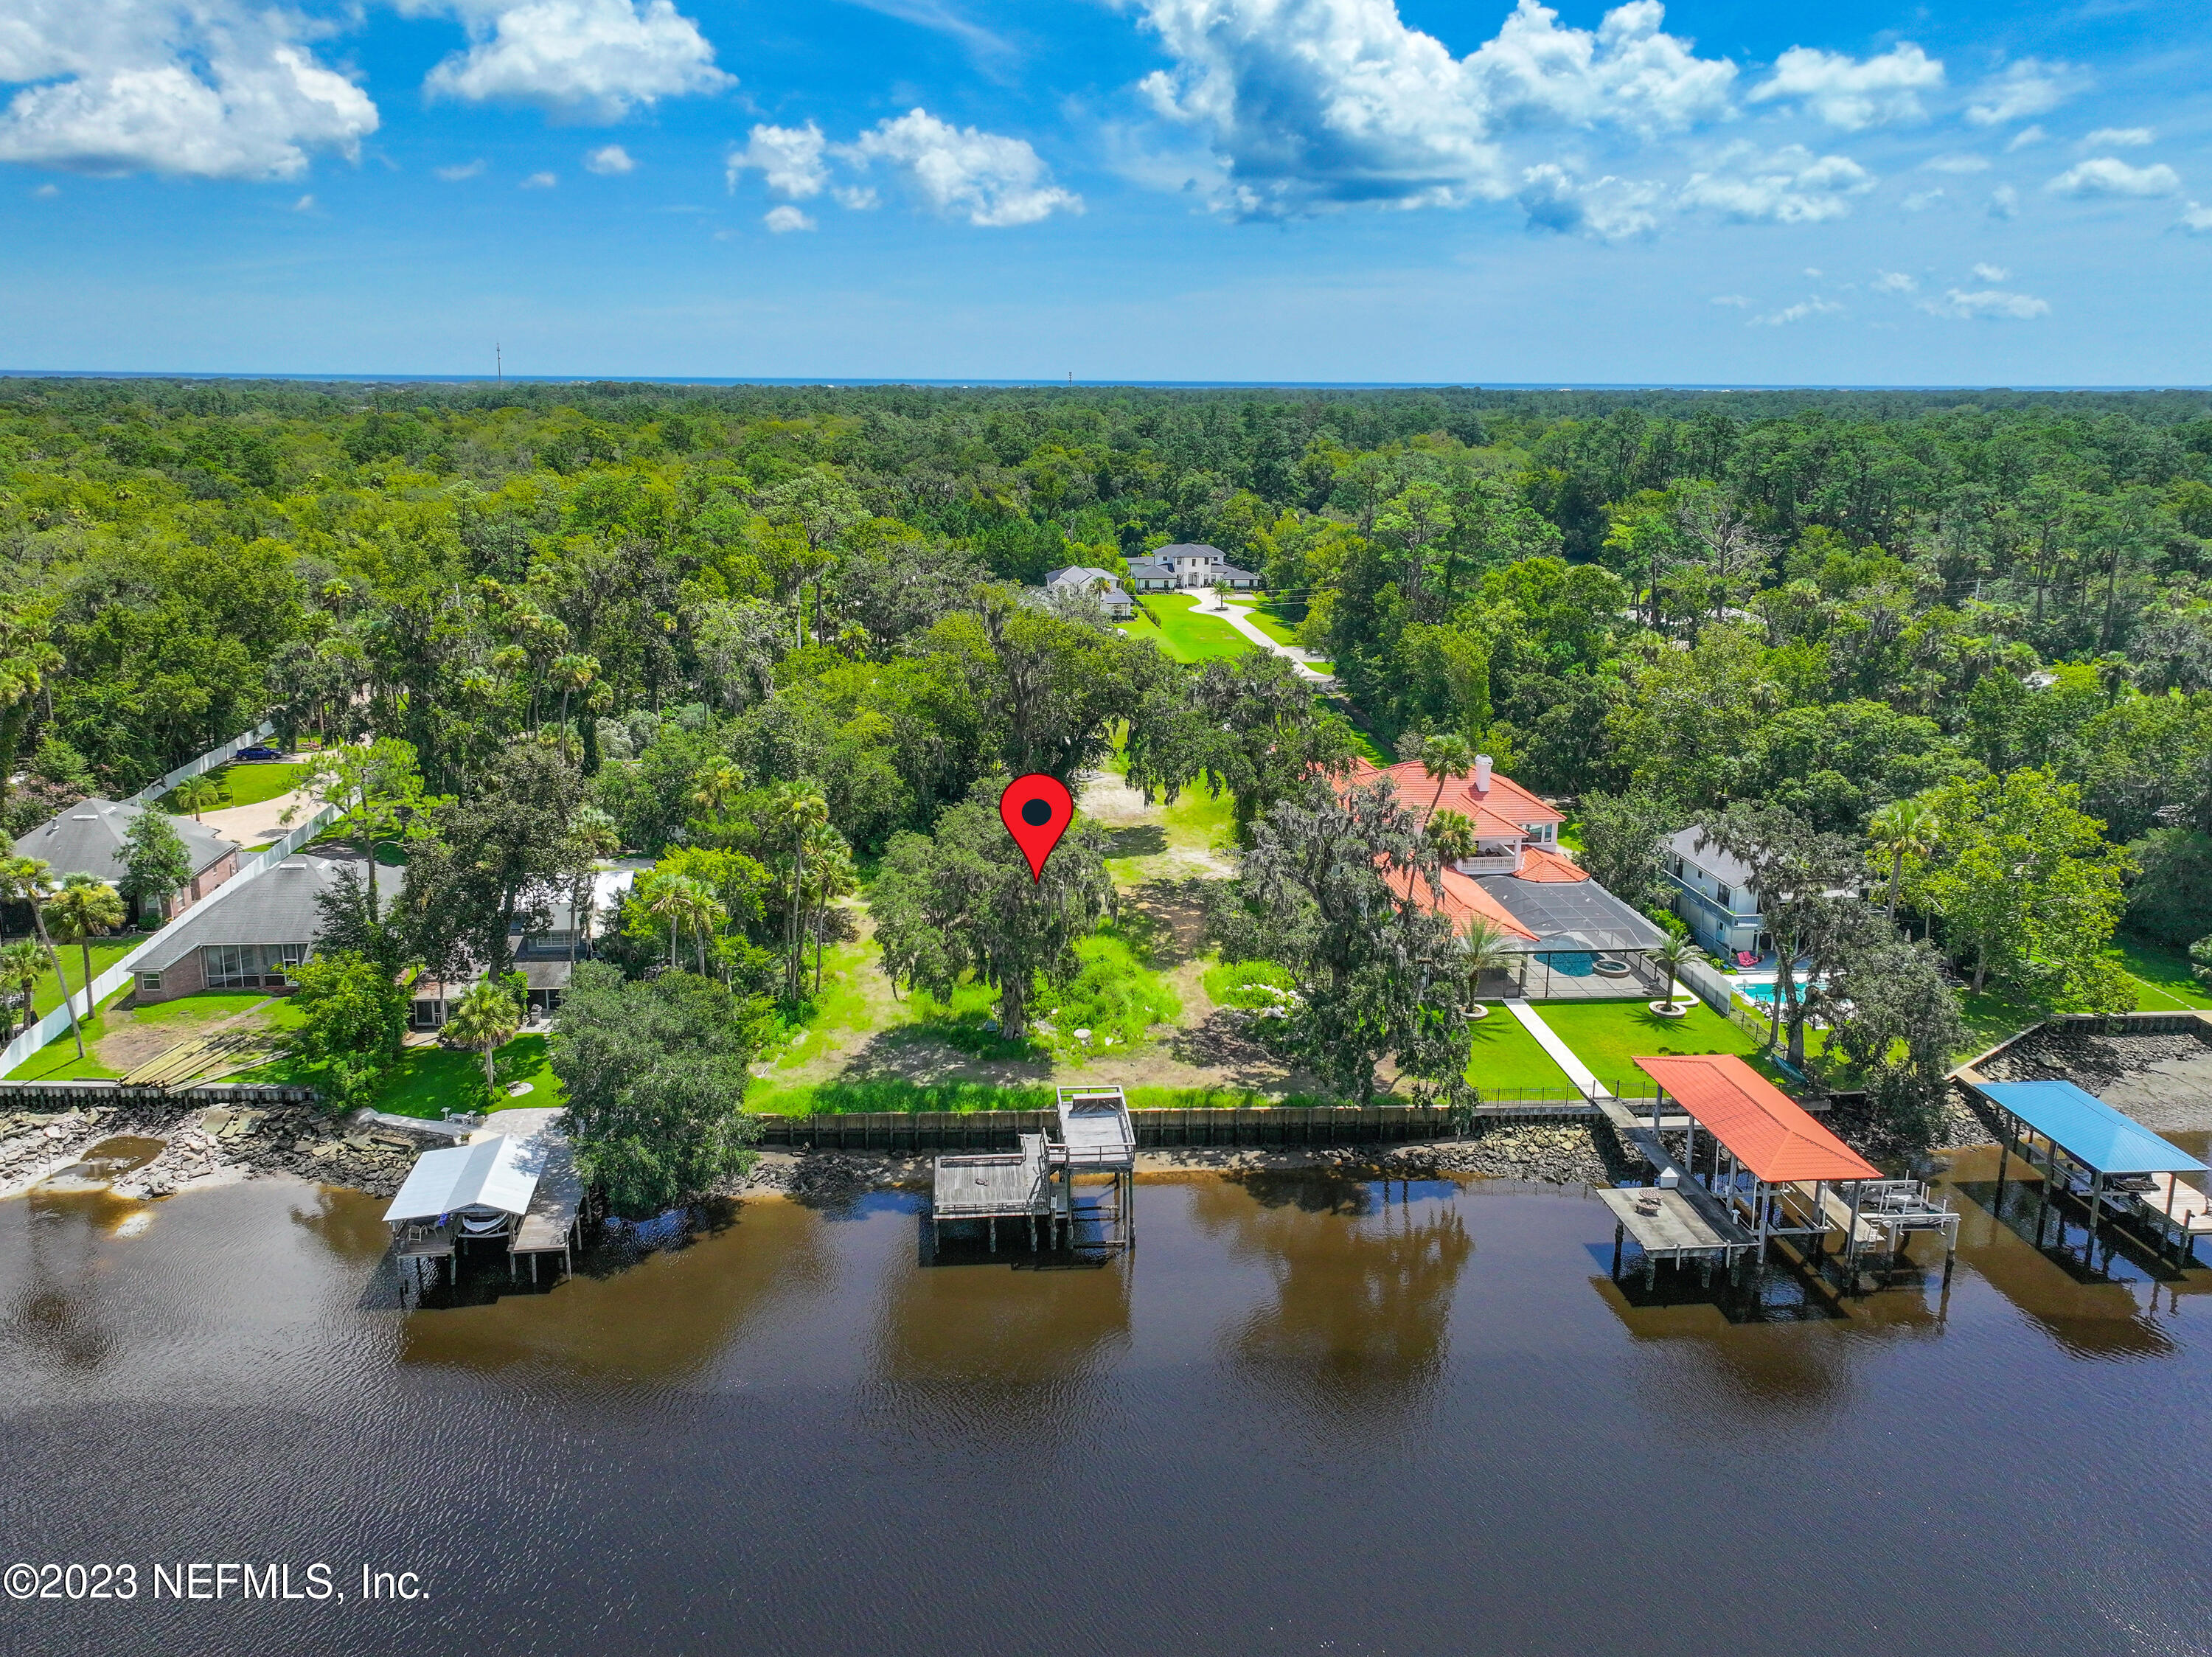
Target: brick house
x: 92, y: 838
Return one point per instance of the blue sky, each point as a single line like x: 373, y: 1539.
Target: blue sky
x: 1272, y: 190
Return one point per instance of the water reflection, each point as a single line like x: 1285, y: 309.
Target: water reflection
x: 979, y: 1346
x: 2090, y: 1314
x: 631, y: 1315
x: 1365, y: 1275
x: 54, y: 1307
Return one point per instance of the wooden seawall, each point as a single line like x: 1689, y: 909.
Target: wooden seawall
x: 1236, y: 1125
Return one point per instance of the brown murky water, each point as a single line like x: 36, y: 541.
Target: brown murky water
x: 1307, y: 1415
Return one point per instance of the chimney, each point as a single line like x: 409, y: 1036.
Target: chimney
x: 1482, y: 773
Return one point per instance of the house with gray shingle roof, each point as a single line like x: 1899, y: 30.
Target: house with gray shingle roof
x: 1102, y: 584
x: 247, y: 938
x: 92, y: 838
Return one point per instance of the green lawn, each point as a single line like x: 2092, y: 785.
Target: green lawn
x: 1269, y: 620
x: 1185, y: 634
x: 432, y: 1080
x: 105, y: 952
x: 429, y: 1082
x: 841, y: 1006
x: 245, y: 785
x: 57, y: 1061
x: 1507, y: 1063
x: 1609, y: 1036
x: 2164, y: 982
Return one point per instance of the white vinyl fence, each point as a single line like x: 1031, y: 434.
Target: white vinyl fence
x: 56, y: 1023
x: 1712, y: 988
x: 213, y: 759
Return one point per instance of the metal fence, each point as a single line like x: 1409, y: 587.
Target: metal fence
x: 51, y: 1027
x: 214, y: 759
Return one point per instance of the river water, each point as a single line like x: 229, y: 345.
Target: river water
x: 1305, y: 1414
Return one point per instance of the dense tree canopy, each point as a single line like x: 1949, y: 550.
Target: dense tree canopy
x: 668, y: 619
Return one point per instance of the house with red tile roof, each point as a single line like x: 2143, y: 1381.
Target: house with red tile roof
x: 1574, y: 937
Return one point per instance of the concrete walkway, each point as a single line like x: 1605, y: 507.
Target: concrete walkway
x: 1561, y: 1055
x: 1242, y: 621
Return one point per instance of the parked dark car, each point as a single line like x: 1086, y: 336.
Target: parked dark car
x: 257, y: 752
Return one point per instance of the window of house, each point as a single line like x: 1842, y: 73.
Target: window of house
x: 149, y: 981
x: 1721, y: 892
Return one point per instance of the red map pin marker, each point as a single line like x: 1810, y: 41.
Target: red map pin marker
x: 1037, y: 811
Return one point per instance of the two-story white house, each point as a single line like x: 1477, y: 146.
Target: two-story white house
x: 1715, y: 895
x: 1185, y: 566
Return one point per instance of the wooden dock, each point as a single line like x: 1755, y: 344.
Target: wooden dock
x: 995, y: 1186
x: 1690, y: 1223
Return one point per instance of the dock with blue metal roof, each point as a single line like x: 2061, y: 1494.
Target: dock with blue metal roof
x: 2111, y: 1163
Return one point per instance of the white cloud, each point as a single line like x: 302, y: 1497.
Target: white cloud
x: 597, y: 58
x: 2004, y: 202
x: 1894, y: 281
x: 2119, y: 137
x: 1815, y: 306
x: 2107, y: 175
x: 1736, y: 300
x: 790, y: 158
x: 2196, y: 220
x: 1992, y: 273
x: 1956, y: 163
x: 209, y: 89
x: 539, y: 181
x: 1921, y: 200
x: 987, y: 178
x: 1610, y: 208
x: 2030, y: 86
x: 305, y: 204
x: 2025, y: 138
x: 1791, y: 185
x: 1311, y: 104
x: 784, y: 218
x: 1992, y: 304
x: 610, y: 160
x: 47, y: 191
x: 1853, y: 92
x: 464, y: 170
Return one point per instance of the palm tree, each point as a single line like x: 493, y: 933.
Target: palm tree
x: 483, y: 1020
x: 716, y: 788
x: 573, y: 673
x: 31, y: 881
x: 1447, y: 759
x: 593, y: 838
x: 81, y: 910
x: 683, y: 903
x: 1670, y: 955
x: 1484, y: 947
x: 21, y: 967
x: 1903, y: 828
x: 2115, y: 673
x: 799, y: 810
x: 196, y: 793
x: 1452, y: 836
